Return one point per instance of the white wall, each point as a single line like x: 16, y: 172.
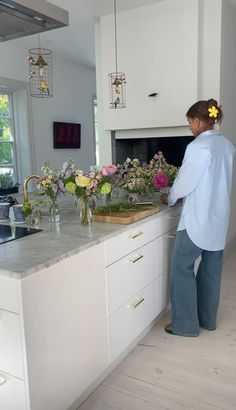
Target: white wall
x: 74, y: 88
x: 209, y: 49
x: 228, y: 92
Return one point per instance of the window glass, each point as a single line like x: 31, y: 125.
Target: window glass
x: 7, y: 151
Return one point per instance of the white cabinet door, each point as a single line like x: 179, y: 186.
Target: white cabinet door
x: 156, y: 56
x: 9, y: 298
x: 66, y: 328
x: 11, y: 360
x: 12, y: 393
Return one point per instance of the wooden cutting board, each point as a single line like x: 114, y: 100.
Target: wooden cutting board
x: 127, y: 217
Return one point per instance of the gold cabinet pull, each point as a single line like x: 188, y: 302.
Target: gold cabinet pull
x: 171, y: 236
x: 135, y: 305
x: 135, y: 235
x: 136, y: 259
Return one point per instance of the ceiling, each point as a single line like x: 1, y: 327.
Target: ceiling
x: 76, y: 42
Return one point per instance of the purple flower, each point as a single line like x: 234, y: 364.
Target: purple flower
x: 160, y: 180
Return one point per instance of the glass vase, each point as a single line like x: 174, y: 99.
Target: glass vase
x: 54, y: 212
x: 85, y: 211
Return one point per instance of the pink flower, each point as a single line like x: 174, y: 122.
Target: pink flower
x: 109, y: 170
x: 160, y: 180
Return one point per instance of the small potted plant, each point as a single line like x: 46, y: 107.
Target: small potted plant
x: 7, y: 184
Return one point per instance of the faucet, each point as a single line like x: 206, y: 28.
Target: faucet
x: 25, y: 186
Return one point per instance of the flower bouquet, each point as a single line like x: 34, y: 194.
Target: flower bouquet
x: 108, y: 181
x: 83, y: 185
x: 138, y: 179
x: 51, y: 186
x: 164, y: 174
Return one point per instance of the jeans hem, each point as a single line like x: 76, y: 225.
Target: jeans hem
x: 185, y: 334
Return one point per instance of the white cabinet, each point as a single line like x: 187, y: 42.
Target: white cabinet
x: 12, y: 393
x: 11, y: 360
x: 13, y: 373
x: 9, y: 297
x: 156, y: 56
x: 138, y: 281
x: 61, y: 327
x: 65, y: 328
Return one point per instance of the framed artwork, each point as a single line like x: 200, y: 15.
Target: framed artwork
x: 66, y: 135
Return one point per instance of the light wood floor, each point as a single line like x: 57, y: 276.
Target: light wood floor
x: 172, y: 372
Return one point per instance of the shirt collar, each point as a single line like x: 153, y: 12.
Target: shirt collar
x: 208, y: 133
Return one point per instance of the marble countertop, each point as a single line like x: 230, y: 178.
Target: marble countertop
x: 22, y: 257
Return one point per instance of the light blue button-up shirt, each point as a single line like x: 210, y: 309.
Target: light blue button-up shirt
x: 204, y: 181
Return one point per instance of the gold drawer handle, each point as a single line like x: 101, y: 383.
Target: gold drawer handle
x: 2, y: 380
x: 171, y: 236
x: 135, y: 305
x: 135, y: 235
x: 138, y: 257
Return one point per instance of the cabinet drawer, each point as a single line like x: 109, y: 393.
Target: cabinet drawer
x: 9, y: 298
x: 130, y: 274
x: 12, y: 393
x: 131, y: 319
x: 164, y: 247
x: 11, y: 360
x: 168, y: 220
x: 130, y: 240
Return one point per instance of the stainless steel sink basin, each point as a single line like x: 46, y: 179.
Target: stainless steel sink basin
x: 11, y: 232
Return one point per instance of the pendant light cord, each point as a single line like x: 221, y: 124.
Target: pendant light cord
x: 39, y: 43
x: 115, y: 36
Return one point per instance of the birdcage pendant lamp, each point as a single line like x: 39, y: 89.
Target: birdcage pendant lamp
x: 40, y: 72
x: 117, y: 80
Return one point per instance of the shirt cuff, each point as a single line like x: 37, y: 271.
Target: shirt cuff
x: 171, y: 200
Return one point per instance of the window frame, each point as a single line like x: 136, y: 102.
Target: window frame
x: 13, y: 165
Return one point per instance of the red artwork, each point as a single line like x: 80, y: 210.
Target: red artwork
x: 66, y: 135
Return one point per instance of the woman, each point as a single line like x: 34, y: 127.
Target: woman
x: 204, y: 182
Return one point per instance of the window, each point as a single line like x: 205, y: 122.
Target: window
x: 8, y: 175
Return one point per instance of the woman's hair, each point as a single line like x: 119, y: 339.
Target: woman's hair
x: 206, y: 110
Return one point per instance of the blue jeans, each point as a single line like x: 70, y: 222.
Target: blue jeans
x: 194, y: 299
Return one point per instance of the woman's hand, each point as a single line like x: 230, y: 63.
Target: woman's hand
x: 164, y: 199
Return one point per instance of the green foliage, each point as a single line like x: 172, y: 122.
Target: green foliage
x: 6, y: 180
x: 120, y: 207
x: 6, y: 154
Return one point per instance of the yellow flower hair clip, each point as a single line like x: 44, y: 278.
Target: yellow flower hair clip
x: 213, y: 111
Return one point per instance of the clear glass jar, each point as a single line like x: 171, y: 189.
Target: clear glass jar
x: 54, y: 212
x: 85, y: 211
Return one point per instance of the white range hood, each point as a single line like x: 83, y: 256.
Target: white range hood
x: 26, y: 17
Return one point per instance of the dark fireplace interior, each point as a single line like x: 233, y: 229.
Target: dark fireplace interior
x: 144, y: 149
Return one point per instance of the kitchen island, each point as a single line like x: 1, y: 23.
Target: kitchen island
x: 74, y: 301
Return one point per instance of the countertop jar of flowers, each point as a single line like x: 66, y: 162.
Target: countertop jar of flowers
x: 83, y: 186
x: 137, y: 178
x: 51, y: 185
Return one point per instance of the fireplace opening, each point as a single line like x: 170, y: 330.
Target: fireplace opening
x: 144, y: 149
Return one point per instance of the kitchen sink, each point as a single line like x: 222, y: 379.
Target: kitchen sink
x: 11, y: 232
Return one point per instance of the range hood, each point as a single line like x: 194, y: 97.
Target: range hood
x: 26, y: 17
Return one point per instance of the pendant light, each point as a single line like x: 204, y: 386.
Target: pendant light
x: 40, y: 72
x: 117, y: 79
